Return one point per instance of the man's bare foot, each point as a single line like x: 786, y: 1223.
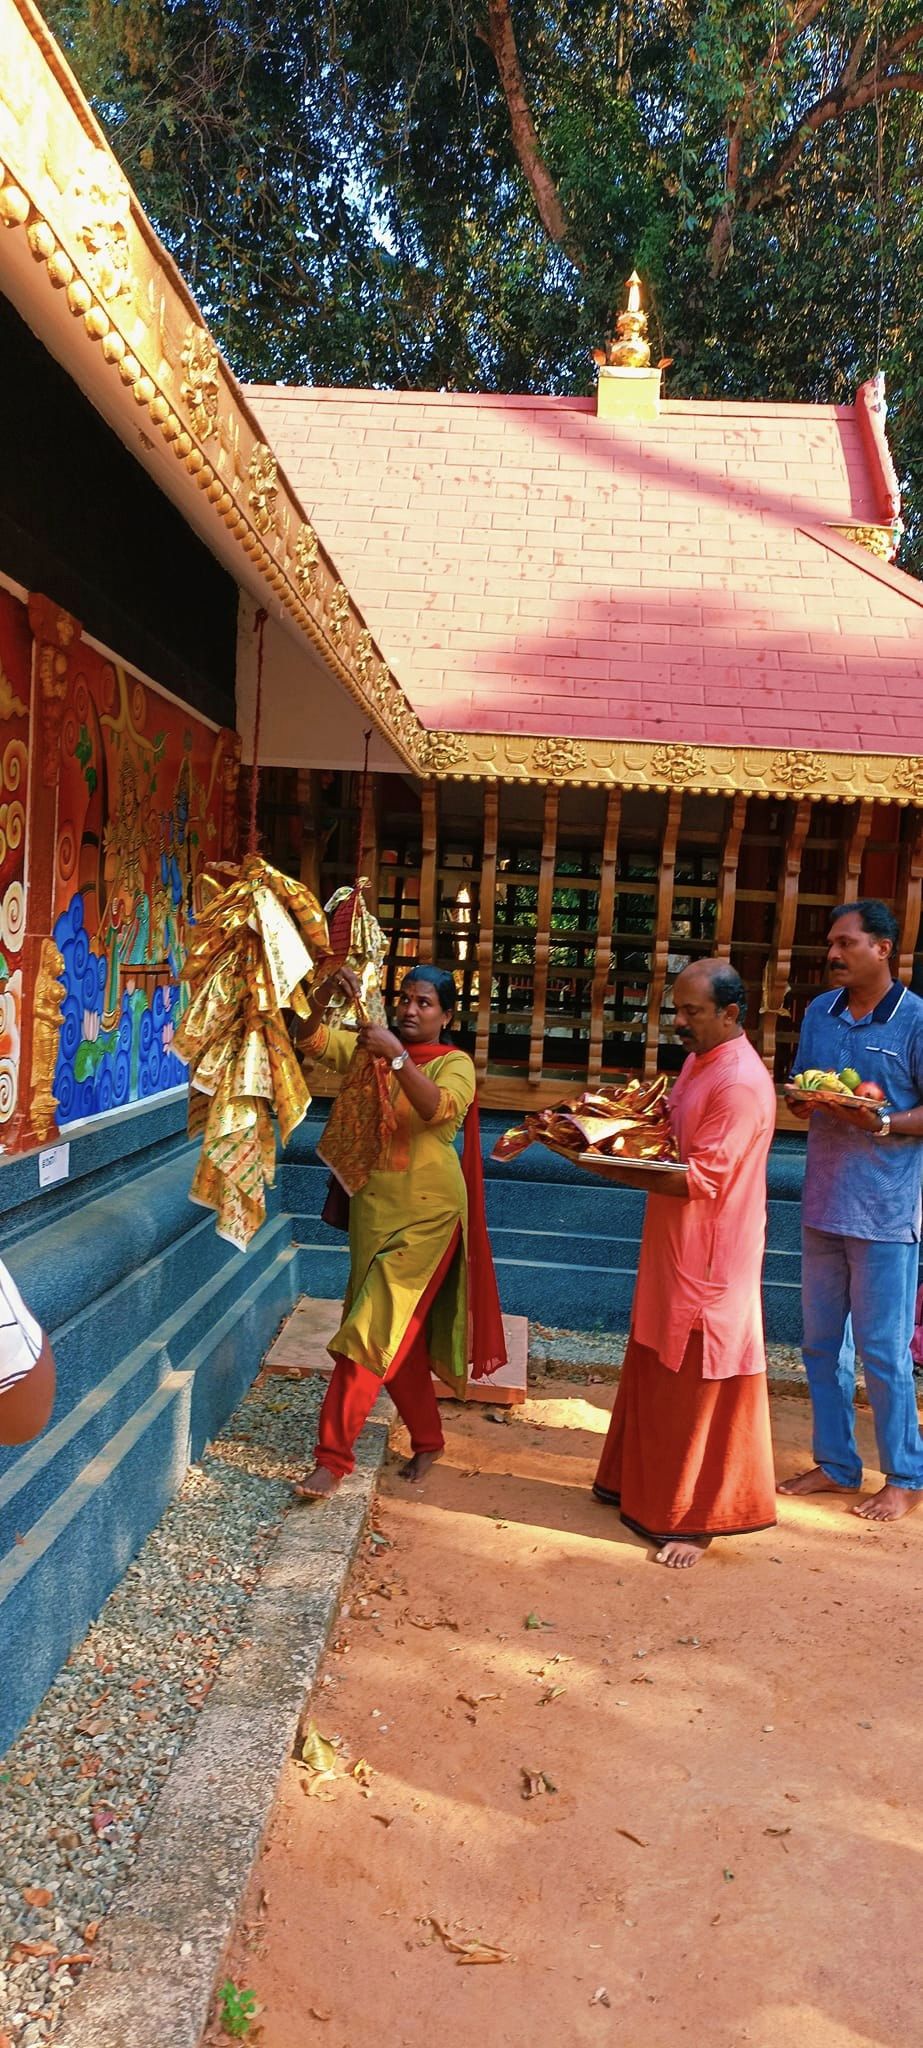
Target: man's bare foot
x: 417, y: 1467
x: 815, y: 1481
x: 888, y: 1505
x: 682, y: 1551
x: 317, y: 1485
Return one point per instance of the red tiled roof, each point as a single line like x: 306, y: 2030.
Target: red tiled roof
x: 527, y: 567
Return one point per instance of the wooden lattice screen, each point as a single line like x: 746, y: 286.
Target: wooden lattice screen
x: 565, y: 914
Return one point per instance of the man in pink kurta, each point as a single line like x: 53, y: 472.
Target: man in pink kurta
x: 688, y: 1455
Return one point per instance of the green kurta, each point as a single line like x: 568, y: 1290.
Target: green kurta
x: 401, y: 1222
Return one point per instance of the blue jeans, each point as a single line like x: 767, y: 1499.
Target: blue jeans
x: 858, y: 1295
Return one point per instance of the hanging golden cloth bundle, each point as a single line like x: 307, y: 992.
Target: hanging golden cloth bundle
x: 357, y: 941
x: 259, y: 938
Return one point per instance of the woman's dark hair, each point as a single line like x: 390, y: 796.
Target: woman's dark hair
x: 441, y: 981
x: 726, y: 988
x: 874, y: 917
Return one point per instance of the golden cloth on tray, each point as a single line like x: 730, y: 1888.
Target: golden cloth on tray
x: 258, y: 939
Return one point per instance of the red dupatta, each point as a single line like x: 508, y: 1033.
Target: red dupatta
x: 486, y: 1341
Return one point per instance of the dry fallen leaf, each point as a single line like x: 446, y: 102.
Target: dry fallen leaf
x: 387, y: 1819
x: 317, y: 1754
x: 363, y: 1772
x: 601, y: 1997
x: 535, y: 1621
x: 91, y: 1930
x: 777, y: 1831
x: 22, y: 1949
x: 37, y: 1895
x: 476, y: 1699
x: 316, y: 2013
x: 554, y: 1693
x: 629, y: 1837
x: 534, y: 1783
x: 474, y: 1950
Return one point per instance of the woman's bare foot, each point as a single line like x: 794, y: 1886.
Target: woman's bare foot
x: 815, y: 1481
x: 682, y: 1551
x: 889, y: 1505
x: 417, y: 1467
x: 317, y: 1485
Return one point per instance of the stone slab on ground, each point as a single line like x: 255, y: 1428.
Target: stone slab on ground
x: 301, y: 1347
x: 161, y: 1946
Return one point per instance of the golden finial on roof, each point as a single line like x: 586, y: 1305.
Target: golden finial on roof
x: 632, y: 350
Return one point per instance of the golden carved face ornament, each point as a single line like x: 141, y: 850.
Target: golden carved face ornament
x: 264, y: 487
x: 200, y: 387
x: 101, y: 198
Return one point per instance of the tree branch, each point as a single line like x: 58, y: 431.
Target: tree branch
x: 844, y: 99
x: 500, y: 36
x: 850, y: 93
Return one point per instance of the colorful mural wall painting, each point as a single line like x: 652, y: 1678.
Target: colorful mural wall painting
x: 140, y: 802
x: 15, y: 688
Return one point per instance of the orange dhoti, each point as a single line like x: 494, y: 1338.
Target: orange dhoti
x: 685, y: 1455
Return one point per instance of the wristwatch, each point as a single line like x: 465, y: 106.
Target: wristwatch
x: 884, y: 1124
x: 399, y: 1061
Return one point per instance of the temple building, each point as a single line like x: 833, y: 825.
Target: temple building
x: 587, y: 687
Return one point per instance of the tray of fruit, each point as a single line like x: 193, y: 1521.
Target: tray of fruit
x: 621, y: 1121
x: 844, y: 1092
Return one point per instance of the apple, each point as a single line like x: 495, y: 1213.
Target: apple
x: 869, y: 1091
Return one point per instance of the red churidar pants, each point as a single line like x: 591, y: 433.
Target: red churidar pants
x: 353, y: 1389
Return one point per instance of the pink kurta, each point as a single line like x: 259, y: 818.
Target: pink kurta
x: 701, y: 1260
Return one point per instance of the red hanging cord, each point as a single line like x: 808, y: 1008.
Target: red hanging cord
x: 363, y: 786
x: 259, y: 624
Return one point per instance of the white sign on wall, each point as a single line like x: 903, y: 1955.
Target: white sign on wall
x: 53, y: 1165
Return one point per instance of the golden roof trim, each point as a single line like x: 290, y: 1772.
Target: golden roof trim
x: 672, y: 764
x: 62, y: 188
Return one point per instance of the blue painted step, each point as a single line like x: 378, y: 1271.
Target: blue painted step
x: 158, y: 1328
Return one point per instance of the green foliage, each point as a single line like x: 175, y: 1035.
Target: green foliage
x: 236, y: 2011
x: 340, y: 183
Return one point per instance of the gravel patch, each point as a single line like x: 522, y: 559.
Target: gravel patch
x: 79, y: 1785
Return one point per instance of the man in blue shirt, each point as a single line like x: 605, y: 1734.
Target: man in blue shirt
x: 861, y: 1215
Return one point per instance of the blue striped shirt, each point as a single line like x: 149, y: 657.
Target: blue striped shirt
x: 857, y: 1185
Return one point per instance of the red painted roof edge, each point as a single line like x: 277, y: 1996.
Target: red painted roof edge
x: 871, y: 413
x: 849, y: 551
x: 339, y: 394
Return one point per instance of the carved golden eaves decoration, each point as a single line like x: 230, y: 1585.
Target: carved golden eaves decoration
x: 881, y: 541
x: 200, y: 388
x: 665, y: 765
x: 61, y: 187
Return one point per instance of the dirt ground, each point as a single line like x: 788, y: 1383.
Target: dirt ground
x: 722, y: 1842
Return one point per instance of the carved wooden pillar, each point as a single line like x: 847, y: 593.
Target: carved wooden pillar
x: 56, y: 637
x: 486, y: 920
x: 908, y: 899
x: 604, y: 917
x: 663, y: 926
x: 429, y: 821
x: 543, y: 935
x: 853, y: 849
x: 727, y: 874
x: 779, y: 964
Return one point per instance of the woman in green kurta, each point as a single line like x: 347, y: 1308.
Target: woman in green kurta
x: 390, y: 1141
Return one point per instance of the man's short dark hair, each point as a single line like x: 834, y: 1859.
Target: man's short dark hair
x: 874, y: 917
x: 724, y: 982
x: 727, y: 988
